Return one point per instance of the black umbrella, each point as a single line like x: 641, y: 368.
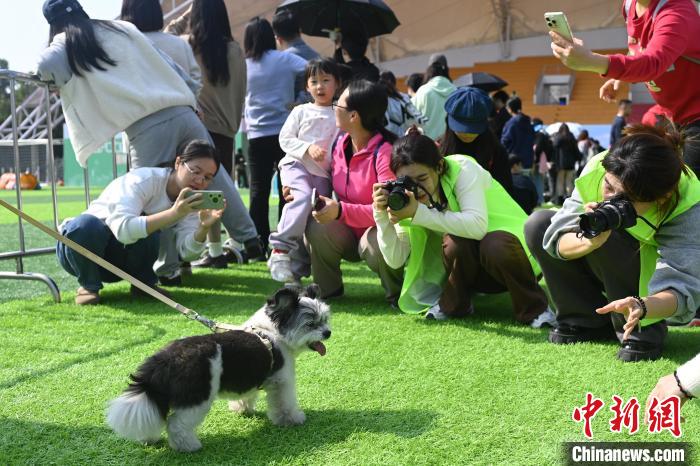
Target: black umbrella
x: 317, y: 17
x: 484, y: 81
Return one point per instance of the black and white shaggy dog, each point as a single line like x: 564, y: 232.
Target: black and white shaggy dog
x: 177, y: 385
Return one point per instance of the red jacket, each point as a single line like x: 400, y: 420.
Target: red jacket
x: 353, y: 183
x: 656, y: 49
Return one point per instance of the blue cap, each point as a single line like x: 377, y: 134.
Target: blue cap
x: 54, y: 9
x: 468, y: 110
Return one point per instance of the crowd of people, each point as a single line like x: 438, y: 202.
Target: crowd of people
x: 434, y: 190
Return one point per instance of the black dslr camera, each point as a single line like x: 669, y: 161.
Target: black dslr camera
x: 398, y: 199
x: 617, y: 213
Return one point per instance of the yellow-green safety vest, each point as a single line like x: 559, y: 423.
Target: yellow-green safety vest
x: 590, y: 187
x: 424, y: 272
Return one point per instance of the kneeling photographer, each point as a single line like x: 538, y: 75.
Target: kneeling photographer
x: 123, y: 224
x: 622, y: 256
x: 457, y: 232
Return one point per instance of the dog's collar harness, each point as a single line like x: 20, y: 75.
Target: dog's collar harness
x: 265, y: 339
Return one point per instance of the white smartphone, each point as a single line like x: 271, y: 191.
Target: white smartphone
x: 557, y: 22
x: 210, y: 199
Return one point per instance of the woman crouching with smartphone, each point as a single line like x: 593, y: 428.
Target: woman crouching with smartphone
x: 458, y: 233
x: 123, y: 224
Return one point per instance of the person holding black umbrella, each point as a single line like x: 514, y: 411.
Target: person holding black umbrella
x: 354, y: 43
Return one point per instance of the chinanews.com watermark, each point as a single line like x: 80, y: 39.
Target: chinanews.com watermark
x: 660, y: 415
x: 633, y: 453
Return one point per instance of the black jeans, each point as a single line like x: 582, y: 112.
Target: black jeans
x: 579, y: 286
x: 263, y: 156
x: 224, y: 150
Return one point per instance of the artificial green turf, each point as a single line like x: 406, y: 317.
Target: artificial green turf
x: 393, y: 389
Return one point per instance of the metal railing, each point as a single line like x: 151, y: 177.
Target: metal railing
x: 33, y: 121
x: 44, y: 114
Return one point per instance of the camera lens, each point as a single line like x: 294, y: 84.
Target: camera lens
x: 614, y: 214
x: 397, y: 199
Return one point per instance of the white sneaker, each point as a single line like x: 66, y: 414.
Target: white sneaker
x: 435, y: 313
x: 546, y: 318
x: 280, y: 267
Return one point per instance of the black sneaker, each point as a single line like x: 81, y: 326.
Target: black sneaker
x: 171, y: 281
x: 564, y: 334
x: 234, y: 256
x: 254, y: 251
x: 634, y: 351
x: 218, y: 262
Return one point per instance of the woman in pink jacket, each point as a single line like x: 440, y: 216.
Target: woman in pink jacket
x: 345, y: 229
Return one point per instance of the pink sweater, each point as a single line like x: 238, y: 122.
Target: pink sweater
x: 353, y: 182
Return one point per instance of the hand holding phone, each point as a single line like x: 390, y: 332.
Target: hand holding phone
x: 210, y: 199
x: 316, y: 202
x: 557, y: 22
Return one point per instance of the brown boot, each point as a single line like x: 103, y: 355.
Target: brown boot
x: 86, y: 297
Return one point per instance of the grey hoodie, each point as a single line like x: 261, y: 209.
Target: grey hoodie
x: 678, y: 267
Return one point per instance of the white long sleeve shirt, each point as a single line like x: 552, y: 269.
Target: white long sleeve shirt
x: 309, y: 124
x: 126, y: 201
x: 689, y: 375
x: 99, y: 104
x: 470, y: 222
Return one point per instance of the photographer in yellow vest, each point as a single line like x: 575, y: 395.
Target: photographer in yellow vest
x: 456, y: 232
x: 631, y: 263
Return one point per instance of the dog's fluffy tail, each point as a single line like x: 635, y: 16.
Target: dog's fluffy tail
x: 135, y: 416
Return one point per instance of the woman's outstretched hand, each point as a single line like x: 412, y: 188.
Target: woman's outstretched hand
x: 576, y: 56
x: 630, y: 308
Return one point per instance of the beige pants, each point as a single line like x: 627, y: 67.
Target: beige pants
x: 335, y: 241
x: 565, y: 183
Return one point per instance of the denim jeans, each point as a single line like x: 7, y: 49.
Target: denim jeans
x: 92, y: 233
x: 534, y: 174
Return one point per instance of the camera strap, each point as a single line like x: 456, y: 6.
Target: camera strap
x: 650, y: 224
x: 433, y: 204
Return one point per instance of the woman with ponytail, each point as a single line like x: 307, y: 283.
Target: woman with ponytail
x: 221, y: 99
x: 344, y: 228
x: 431, y: 97
x: 459, y: 233
x: 625, y: 284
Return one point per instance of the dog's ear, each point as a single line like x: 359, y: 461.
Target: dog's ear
x: 313, y: 291
x: 282, y: 305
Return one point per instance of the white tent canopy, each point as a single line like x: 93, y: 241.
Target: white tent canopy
x: 440, y: 25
